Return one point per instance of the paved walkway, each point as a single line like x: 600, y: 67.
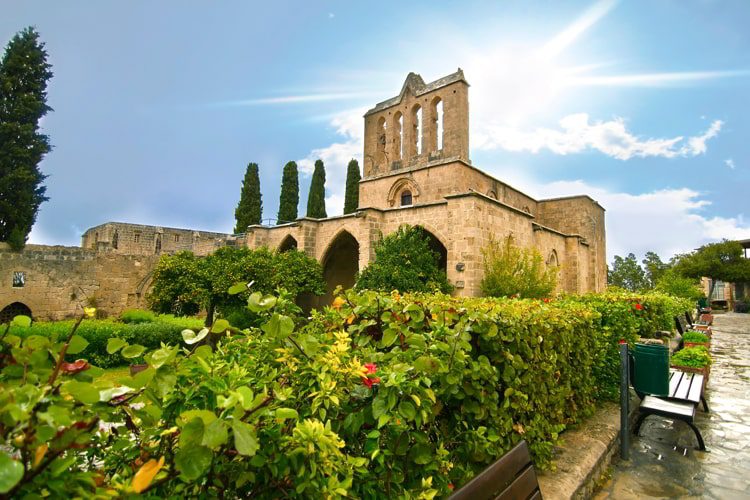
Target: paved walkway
x: 663, y: 462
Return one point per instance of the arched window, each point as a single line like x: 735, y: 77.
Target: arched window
x: 115, y: 240
x: 437, y: 124
x: 289, y: 243
x: 416, y: 132
x: 398, y: 135
x: 552, y: 259
x: 492, y: 195
x: 381, y: 140
x: 406, y: 198
x: 157, y: 247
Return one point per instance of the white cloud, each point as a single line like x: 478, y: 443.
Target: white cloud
x: 336, y: 157
x: 612, y: 138
x: 730, y: 163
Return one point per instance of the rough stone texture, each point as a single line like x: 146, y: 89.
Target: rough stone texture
x: 59, y: 280
x: 461, y: 206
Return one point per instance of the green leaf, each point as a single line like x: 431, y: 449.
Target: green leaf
x: 279, y: 326
x: 82, y: 391
x: 389, y: 337
x: 407, y: 410
x: 114, y: 344
x: 107, y: 394
x: 421, y: 454
x: 245, y: 396
x: 215, y: 434
x: 206, y: 416
x: 245, y: 440
x: 21, y: 320
x: 258, y: 303
x: 132, y: 351
x: 190, y: 337
x: 237, y: 288
x: 284, y: 413
x: 193, y: 462
x: 192, y: 433
x: 11, y: 472
x: 77, y: 344
x: 219, y: 326
x: 426, y: 364
x: 379, y: 406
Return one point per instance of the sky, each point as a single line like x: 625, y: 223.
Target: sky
x: 160, y: 106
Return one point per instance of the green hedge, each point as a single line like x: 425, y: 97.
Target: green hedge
x: 166, y: 328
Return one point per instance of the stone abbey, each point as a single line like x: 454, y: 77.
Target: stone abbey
x: 416, y: 170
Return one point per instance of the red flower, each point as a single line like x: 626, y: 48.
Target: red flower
x: 545, y: 300
x: 638, y: 307
x: 371, y: 367
x: 450, y: 486
x: 77, y: 366
x: 369, y: 382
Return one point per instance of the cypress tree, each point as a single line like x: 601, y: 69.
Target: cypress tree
x: 24, y: 72
x: 289, y: 198
x: 316, y: 199
x: 250, y: 206
x: 351, y: 198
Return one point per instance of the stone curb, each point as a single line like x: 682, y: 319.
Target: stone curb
x: 584, y: 454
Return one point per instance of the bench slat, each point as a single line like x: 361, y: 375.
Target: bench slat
x: 682, y: 388
x: 523, y: 487
x: 686, y: 409
x: 696, y: 388
x: 510, y: 472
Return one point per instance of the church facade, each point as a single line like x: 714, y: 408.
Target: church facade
x: 417, y: 171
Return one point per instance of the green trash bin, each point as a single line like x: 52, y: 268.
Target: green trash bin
x: 651, y: 369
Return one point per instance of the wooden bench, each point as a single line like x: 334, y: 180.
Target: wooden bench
x: 680, y: 403
x: 682, y: 326
x: 511, y: 477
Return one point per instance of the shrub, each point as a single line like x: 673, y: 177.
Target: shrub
x: 695, y: 337
x: 137, y: 316
x: 97, y: 332
x: 512, y: 271
x: 741, y: 307
x: 677, y: 285
x: 693, y: 357
x: 405, y: 262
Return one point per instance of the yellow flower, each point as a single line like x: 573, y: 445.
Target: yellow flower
x: 90, y: 312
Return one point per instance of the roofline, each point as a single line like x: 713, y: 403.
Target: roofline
x: 132, y: 224
x: 421, y: 89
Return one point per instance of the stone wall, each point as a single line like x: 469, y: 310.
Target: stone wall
x: 59, y: 280
x: 138, y: 239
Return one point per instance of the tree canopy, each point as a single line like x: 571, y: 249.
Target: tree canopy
x: 627, y: 273
x: 24, y: 73
x: 289, y: 198
x: 351, y: 196
x: 185, y: 284
x: 405, y: 262
x: 722, y: 261
x: 250, y: 206
x: 316, y: 199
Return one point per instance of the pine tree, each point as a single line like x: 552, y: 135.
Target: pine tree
x: 289, y: 198
x: 351, y: 198
x: 24, y: 73
x: 316, y: 199
x: 250, y: 206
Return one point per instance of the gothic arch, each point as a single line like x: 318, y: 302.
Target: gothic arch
x: 397, y: 133
x: 404, y: 183
x: 436, y: 245
x: 340, y: 263
x: 437, y: 117
x: 417, y: 131
x: 288, y: 243
x: 12, y: 310
x: 552, y: 260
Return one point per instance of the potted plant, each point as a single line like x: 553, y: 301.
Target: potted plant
x: 692, y: 359
x: 694, y: 339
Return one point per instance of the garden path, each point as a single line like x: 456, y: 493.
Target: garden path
x: 663, y: 462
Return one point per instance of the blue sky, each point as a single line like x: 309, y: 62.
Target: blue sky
x: 159, y: 106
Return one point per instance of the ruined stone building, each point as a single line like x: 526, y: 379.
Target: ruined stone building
x: 416, y: 170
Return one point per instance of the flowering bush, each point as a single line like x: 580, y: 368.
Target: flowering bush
x: 379, y: 395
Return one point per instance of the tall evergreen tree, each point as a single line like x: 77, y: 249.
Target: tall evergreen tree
x: 351, y: 198
x: 289, y: 198
x: 250, y: 206
x: 316, y: 199
x: 24, y: 73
